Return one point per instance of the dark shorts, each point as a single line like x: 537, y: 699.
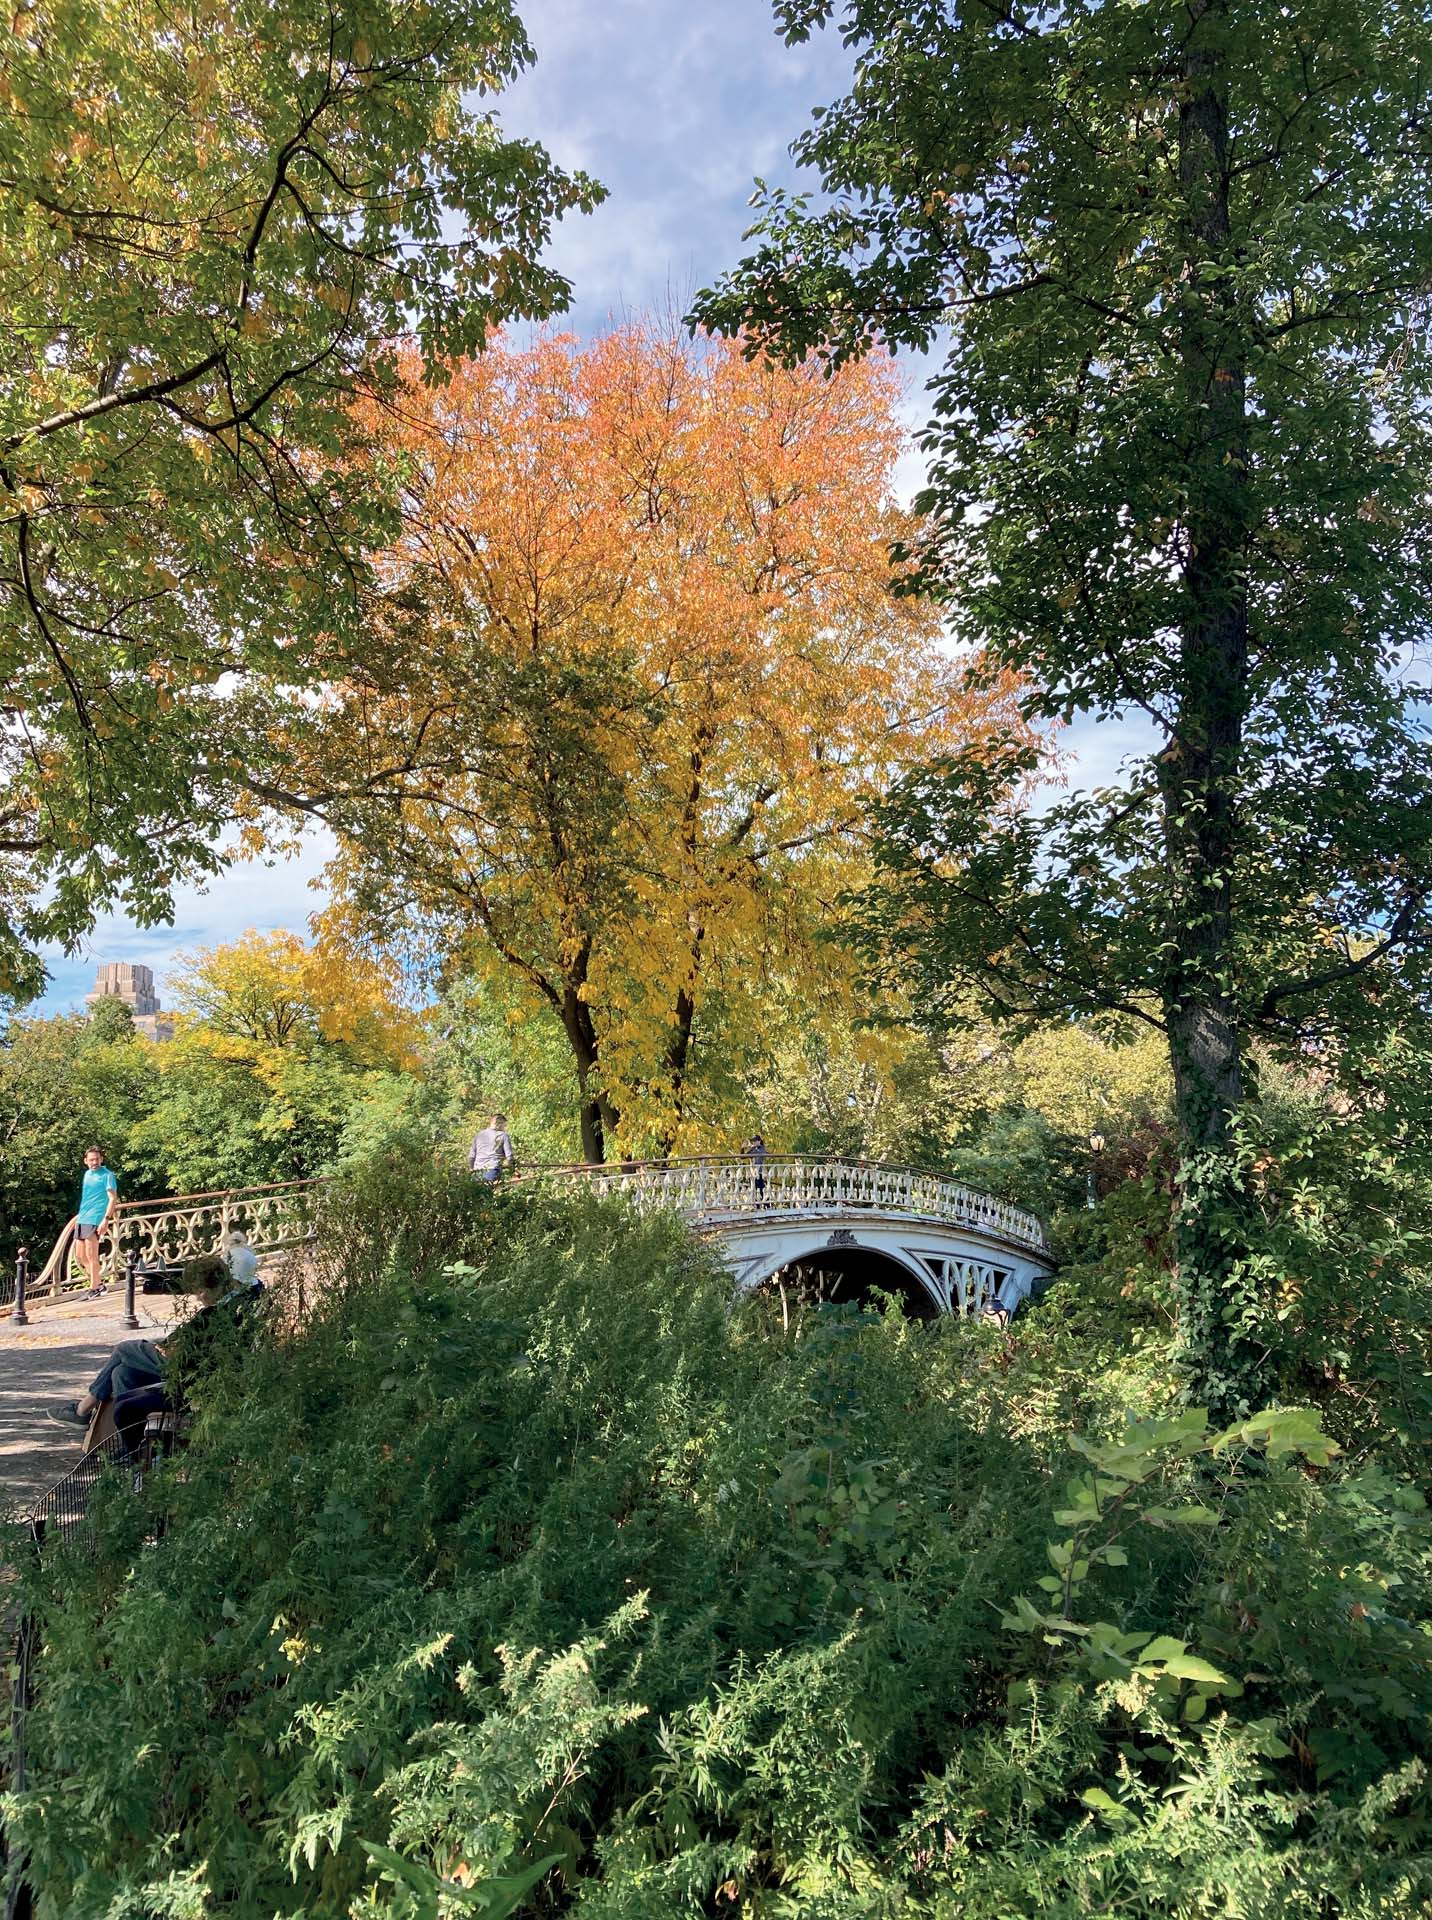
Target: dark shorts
x: 86, y: 1232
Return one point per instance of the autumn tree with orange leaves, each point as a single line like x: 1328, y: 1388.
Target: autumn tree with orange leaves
x: 635, y: 671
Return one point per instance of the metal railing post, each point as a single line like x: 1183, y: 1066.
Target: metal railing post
x: 18, y: 1315
x: 131, y: 1318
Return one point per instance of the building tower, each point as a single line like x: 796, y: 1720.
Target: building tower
x: 134, y: 985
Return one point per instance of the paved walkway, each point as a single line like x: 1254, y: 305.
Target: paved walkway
x: 51, y: 1360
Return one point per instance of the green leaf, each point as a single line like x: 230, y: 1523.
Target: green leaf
x: 1291, y: 1430
x: 1187, y: 1666
x: 1163, y: 1648
x: 420, y: 1881
x: 500, y: 1897
x: 1190, y: 1516
x: 493, y: 1899
x: 1104, y: 1803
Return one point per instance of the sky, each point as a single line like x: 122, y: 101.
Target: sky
x: 676, y: 108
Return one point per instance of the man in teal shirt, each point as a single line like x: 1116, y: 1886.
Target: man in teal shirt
x: 98, y: 1194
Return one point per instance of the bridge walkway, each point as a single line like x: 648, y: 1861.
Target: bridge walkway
x: 957, y: 1248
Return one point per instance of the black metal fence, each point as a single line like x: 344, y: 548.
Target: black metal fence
x: 62, y: 1513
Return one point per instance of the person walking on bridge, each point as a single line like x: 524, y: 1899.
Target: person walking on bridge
x: 491, y: 1150
x: 99, y: 1192
x: 241, y: 1260
x: 755, y: 1151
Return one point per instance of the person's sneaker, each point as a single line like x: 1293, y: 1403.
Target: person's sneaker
x: 68, y: 1415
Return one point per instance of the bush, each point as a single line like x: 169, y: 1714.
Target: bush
x: 527, y: 1575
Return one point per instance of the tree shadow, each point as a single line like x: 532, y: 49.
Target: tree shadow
x: 34, y: 1450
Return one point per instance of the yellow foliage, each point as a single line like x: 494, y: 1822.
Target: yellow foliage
x: 1085, y: 1077
x: 266, y: 992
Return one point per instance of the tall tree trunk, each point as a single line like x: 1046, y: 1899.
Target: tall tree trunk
x: 1199, y: 770
x: 597, y: 1114
x: 677, y: 1057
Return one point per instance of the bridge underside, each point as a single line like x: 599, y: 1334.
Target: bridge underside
x: 840, y: 1276
x: 932, y: 1268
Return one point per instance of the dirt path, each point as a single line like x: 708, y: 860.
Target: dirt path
x: 52, y: 1360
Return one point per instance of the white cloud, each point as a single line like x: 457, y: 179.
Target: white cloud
x: 1097, y: 749
x: 674, y: 110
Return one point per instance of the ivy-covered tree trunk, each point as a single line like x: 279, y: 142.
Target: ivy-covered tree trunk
x: 1199, y: 770
x: 1180, y: 461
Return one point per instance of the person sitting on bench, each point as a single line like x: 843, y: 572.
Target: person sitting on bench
x: 198, y: 1347
x: 140, y: 1371
x: 240, y: 1259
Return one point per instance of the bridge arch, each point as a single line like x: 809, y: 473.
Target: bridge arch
x: 840, y: 1270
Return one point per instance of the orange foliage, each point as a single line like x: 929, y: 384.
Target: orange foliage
x: 641, y: 671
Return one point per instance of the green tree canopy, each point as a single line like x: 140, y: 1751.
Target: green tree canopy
x: 1180, y: 459
x: 213, y: 224
x: 66, y: 1083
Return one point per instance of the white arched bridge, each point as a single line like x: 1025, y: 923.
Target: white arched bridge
x: 847, y: 1225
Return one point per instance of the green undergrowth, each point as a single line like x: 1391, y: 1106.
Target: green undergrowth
x: 527, y: 1576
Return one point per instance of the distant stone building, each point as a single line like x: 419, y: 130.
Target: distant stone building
x: 118, y: 980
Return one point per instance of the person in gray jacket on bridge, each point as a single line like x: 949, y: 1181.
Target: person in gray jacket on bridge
x: 491, y: 1150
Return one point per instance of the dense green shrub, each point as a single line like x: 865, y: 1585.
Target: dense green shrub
x: 528, y: 1576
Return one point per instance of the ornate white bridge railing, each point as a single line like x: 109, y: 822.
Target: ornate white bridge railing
x: 179, y: 1227
x: 710, y: 1191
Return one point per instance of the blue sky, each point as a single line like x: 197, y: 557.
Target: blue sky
x: 675, y: 108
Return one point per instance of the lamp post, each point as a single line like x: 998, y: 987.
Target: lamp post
x: 1096, y: 1147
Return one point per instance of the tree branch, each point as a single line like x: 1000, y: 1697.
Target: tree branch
x: 1400, y: 933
